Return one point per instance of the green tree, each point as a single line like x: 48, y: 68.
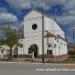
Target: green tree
x: 11, y: 36
x: 21, y: 32
x: 33, y: 48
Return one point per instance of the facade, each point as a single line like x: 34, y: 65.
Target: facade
x: 54, y: 37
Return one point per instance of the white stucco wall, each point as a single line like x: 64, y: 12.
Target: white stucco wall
x: 35, y: 36
x: 53, y: 27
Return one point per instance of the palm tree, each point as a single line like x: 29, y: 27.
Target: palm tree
x: 33, y: 49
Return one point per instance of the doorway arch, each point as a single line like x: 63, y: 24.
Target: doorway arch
x: 34, y: 48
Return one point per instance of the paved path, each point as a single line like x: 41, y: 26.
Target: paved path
x: 35, y: 69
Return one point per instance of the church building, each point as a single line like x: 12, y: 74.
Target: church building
x: 54, y: 37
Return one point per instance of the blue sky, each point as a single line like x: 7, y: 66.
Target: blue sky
x: 12, y: 11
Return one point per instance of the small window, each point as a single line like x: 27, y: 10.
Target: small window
x: 29, y: 50
x: 49, y: 45
x: 49, y: 51
x: 34, y: 26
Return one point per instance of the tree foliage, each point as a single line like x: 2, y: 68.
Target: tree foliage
x: 11, y: 36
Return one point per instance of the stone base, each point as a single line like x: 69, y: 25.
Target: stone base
x: 62, y: 57
x: 49, y: 57
x: 24, y: 56
x: 57, y: 58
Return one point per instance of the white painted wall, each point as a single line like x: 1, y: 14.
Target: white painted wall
x: 20, y: 50
x: 35, y: 36
x: 53, y: 27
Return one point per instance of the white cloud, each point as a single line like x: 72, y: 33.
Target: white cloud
x: 7, y: 17
x: 69, y: 7
x: 53, y: 2
x: 68, y: 15
x: 66, y: 19
x: 72, y: 12
x: 19, y: 4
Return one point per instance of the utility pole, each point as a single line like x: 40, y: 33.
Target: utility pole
x: 74, y: 35
x: 47, y: 44
x: 42, y: 33
x: 42, y: 36
x: 47, y: 40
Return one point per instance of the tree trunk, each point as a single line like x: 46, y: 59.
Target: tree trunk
x: 33, y: 55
